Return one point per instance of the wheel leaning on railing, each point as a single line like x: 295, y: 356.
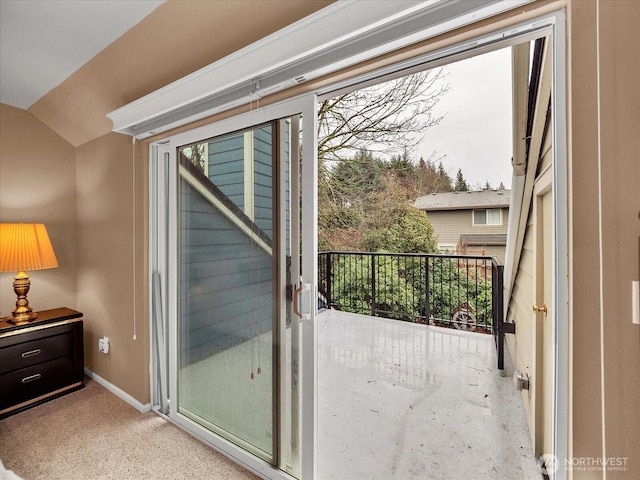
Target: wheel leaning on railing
x: 463, y: 317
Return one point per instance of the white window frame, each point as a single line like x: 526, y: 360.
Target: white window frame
x: 486, y: 210
x: 447, y: 247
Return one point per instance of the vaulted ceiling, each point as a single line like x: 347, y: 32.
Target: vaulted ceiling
x: 69, y: 63
x: 43, y: 42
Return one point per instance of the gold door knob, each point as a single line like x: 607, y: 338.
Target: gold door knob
x: 542, y: 309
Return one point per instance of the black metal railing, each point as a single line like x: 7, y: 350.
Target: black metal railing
x: 447, y: 290
x: 500, y: 326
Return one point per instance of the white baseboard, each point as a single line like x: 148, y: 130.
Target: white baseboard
x: 143, y: 408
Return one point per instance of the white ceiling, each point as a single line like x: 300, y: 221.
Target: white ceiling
x: 42, y: 42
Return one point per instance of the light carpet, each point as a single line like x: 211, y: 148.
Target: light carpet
x: 92, y: 434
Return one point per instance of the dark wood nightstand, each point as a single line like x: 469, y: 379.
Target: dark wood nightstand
x: 40, y: 360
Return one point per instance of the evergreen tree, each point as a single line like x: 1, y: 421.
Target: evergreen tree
x: 461, y: 185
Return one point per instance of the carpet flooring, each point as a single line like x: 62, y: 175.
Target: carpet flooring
x: 92, y: 434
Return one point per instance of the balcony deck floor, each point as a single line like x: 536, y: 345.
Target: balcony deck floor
x: 399, y: 400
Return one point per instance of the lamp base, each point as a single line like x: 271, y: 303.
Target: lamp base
x: 23, y: 313
x: 21, y: 318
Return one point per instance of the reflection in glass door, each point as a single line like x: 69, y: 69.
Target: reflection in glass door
x: 236, y: 346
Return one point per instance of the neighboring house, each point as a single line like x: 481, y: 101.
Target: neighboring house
x: 470, y: 223
x: 61, y: 164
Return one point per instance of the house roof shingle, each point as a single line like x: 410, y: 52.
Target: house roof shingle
x: 464, y: 200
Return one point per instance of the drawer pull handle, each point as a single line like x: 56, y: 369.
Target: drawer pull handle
x: 31, y: 353
x: 31, y: 378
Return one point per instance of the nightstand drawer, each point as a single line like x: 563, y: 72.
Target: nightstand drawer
x: 36, y: 351
x: 29, y: 381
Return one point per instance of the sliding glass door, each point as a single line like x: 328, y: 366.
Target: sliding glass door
x: 230, y: 204
x: 227, y: 284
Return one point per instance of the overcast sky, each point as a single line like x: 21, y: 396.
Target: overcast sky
x: 475, y: 134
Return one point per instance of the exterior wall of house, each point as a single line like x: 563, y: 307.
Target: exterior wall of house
x: 37, y: 185
x: 490, y: 250
x: 519, y: 311
x: 448, y: 225
x: 546, y: 155
x: 521, y: 345
x: 602, y: 105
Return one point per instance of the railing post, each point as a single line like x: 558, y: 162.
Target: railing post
x: 329, y: 278
x: 427, y: 289
x: 373, y: 285
x: 497, y: 307
x: 500, y: 310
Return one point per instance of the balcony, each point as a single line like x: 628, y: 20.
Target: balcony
x: 422, y: 397
x: 401, y: 400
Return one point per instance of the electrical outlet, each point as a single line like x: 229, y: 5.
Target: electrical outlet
x: 103, y: 345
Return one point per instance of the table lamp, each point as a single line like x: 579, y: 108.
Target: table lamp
x: 24, y: 246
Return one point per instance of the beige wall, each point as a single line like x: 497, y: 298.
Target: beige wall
x: 604, y: 385
x: 620, y: 186
x: 109, y: 182
x: 37, y: 185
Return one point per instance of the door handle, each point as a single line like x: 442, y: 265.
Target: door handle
x: 296, y: 308
x: 542, y: 309
x: 296, y: 305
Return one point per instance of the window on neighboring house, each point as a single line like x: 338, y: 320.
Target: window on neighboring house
x: 488, y: 216
x: 446, y: 248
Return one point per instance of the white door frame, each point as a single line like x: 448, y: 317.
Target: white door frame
x: 163, y: 261
x: 555, y: 24
x: 552, y: 25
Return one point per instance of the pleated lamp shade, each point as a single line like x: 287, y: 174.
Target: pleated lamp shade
x: 25, y: 246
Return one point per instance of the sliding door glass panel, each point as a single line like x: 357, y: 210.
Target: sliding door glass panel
x: 238, y: 347
x: 227, y: 316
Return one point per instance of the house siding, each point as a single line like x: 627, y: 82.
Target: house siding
x: 226, y: 167
x: 521, y: 345
x: 546, y: 154
x: 263, y: 189
x: 219, y: 263
x: 448, y: 225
